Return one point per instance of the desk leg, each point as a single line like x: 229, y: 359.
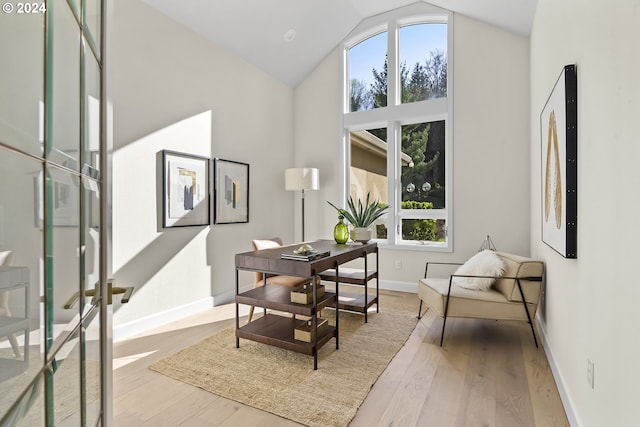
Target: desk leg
x: 314, y: 320
x: 377, y: 283
x: 366, y: 288
x: 337, y: 307
x: 237, y: 312
x: 264, y: 283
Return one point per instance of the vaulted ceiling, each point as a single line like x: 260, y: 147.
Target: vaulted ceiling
x: 289, y: 38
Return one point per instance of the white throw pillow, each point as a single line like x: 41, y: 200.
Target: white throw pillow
x: 485, y: 263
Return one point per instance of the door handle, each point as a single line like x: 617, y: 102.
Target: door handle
x: 111, y: 290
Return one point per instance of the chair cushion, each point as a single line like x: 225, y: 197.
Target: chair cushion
x: 521, y: 267
x: 6, y: 257
x: 464, y: 302
x: 266, y: 243
x: 484, y: 263
x: 275, y: 279
x: 284, y: 281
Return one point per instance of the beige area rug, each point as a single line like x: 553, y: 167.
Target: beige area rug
x: 283, y: 382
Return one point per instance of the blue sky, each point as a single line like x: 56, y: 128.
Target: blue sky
x: 416, y: 41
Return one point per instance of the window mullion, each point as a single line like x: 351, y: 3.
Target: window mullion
x: 393, y: 173
x: 393, y: 135
x: 345, y: 155
x: 393, y: 73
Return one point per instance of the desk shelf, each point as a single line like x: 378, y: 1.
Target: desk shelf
x: 277, y: 297
x: 277, y: 331
x: 350, y: 301
x: 353, y: 276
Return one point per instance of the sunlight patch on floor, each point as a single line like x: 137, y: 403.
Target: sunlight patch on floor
x: 124, y: 361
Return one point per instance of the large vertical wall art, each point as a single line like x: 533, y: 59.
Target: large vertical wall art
x: 185, y: 200
x: 559, y: 135
x: 231, y: 183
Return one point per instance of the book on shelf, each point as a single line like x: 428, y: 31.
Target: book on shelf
x: 305, y: 256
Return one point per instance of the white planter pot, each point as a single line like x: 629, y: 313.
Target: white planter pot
x: 362, y: 235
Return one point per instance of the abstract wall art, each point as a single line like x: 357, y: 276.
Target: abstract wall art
x: 186, y: 196
x: 559, y: 139
x: 231, y: 183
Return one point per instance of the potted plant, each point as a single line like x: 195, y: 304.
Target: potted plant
x: 361, y: 216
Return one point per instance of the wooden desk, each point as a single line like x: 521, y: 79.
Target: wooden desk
x: 278, y: 330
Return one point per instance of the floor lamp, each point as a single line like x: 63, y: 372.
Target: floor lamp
x: 300, y: 179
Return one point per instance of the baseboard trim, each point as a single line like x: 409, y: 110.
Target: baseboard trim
x: 229, y: 296
x: 564, y: 396
x: 392, y: 286
x: 398, y: 286
x: 135, y: 327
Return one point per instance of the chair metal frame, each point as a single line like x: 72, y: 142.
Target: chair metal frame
x: 446, y: 307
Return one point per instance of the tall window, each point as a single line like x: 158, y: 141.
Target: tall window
x: 397, y: 125
x: 367, y: 69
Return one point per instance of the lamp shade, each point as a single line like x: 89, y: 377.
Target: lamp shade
x: 296, y: 179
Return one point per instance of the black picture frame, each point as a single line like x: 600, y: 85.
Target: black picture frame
x: 186, y: 194
x: 559, y: 161
x: 231, y: 192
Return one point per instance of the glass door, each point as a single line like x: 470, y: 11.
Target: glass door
x: 54, y: 322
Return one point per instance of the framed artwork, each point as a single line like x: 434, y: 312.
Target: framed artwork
x: 63, y: 198
x: 559, y: 138
x: 231, y: 182
x: 185, y: 190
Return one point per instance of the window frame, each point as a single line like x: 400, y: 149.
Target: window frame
x: 394, y: 116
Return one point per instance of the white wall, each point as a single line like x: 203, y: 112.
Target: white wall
x: 22, y: 93
x: 174, y: 90
x: 317, y: 144
x: 491, y: 134
x: 591, y: 308
x: 21, y: 86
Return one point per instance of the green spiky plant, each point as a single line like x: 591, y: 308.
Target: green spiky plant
x: 361, y: 216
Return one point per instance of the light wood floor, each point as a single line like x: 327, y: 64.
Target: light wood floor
x: 487, y: 374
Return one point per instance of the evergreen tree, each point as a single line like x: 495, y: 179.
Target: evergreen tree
x: 379, y: 86
x: 416, y: 88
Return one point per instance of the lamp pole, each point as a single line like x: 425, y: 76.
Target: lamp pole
x: 296, y: 179
x: 303, y: 214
